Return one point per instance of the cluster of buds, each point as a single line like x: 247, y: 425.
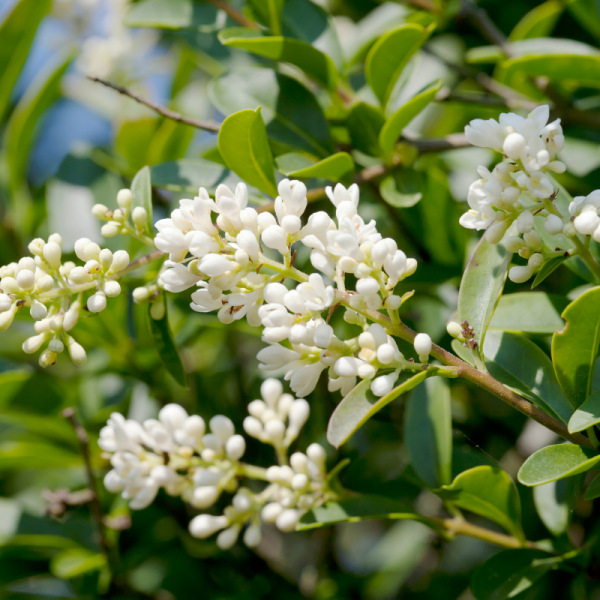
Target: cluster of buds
x: 122, y: 220
x: 462, y: 332
x: 176, y: 453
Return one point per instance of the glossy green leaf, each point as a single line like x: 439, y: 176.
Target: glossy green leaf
x: 391, y: 190
x: 488, y: 492
x: 511, y: 572
x: 522, y: 366
x: 141, y: 188
x: 481, y: 288
x: 428, y: 432
x: 538, y: 22
x: 593, y: 489
x: 529, y: 312
x: 547, y: 269
x: 364, y: 124
x: 291, y: 113
x: 17, y: 31
x: 75, y: 562
x: 293, y: 161
x: 392, y: 129
x: 338, y: 167
x: 164, y: 342
x: 244, y: 146
x: 271, y: 13
x: 587, y: 415
x: 579, y: 69
x: 358, y: 508
x: 552, y: 502
x: 388, y: 57
x: 557, y: 462
x: 313, y: 62
x: 575, y: 348
x: 361, y: 404
x: 172, y: 14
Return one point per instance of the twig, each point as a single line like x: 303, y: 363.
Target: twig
x: 140, y: 262
x: 234, y: 14
x: 209, y: 125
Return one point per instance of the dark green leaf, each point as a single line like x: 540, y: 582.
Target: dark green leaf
x: 360, y: 405
x: 338, y: 167
x: 547, y: 269
x: 364, y: 124
x: 244, y: 146
x: 538, y: 22
x: 428, y: 432
x: 593, y: 489
x: 587, y: 415
x: 575, y: 348
x: 270, y: 12
x: 10, y: 384
x: 172, y: 14
x: 141, y: 188
x: 557, y: 462
x: 529, y: 312
x: 163, y: 339
x: 488, y: 492
x: 76, y: 561
x: 552, y: 504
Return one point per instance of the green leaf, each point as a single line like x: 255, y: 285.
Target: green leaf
x: 481, y: 288
x: 36, y: 455
x: 538, y: 22
x: 313, y: 62
x: 17, y: 32
x: 359, y: 508
x: 244, y: 146
x: 141, y: 188
x: 11, y: 383
x: 163, y: 339
x: 523, y: 367
x: 511, y: 572
x: 392, y: 129
x: 75, y: 562
x: 364, y: 124
x: 529, y: 312
x: 361, y: 404
x: 547, y: 269
x: 593, y: 489
x: 388, y: 57
x: 552, y: 502
x: 587, y: 415
x: 428, y: 432
x: 338, y: 167
x: 587, y: 14
x: 557, y: 462
x: 293, y: 161
x: 188, y: 174
x: 270, y: 12
x: 292, y: 115
x: 21, y: 127
x: 391, y: 190
x: 488, y: 492
x: 172, y: 14
x: 575, y: 348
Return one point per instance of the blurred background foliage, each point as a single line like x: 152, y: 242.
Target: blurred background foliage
x: 67, y: 143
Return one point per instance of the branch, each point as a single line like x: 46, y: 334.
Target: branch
x: 234, y: 14
x: 460, y: 527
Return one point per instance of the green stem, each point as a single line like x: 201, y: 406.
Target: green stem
x: 252, y: 472
x: 587, y: 257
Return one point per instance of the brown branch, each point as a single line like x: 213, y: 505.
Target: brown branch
x: 234, y: 14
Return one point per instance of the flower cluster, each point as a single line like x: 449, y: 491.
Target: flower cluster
x: 505, y: 200
x: 46, y: 285
x: 176, y: 453
x: 231, y: 270
x: 117, y: 221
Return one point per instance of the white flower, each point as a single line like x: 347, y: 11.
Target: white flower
x: 178, y: 277
x: 316, y: 295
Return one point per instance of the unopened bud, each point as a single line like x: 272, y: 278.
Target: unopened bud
x: 139, y: 216
x: 99, y: 211
x: 124, y: 198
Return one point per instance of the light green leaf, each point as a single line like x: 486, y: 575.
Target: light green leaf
x: 244, y: 146
x: 587, y: 415
x: 538, y: 22
x: 293, y: 161
x: 523, y: 367
x: 428, y: 432
x: 141, y: 188
x: 10, y: 384
x: 593, y: 489
x: 364, y: 124
x: 75, y: 562
x: 17, y: 32
x: 359, y: 508
x: 579, y: 69
x: 338, y: 167
x: 529, y: 312
x: 291, y: 113
x: 557, y: 462
x: 575, y: 348
x: 36, y: 455
x: 547, y: 269
x: 481, y: 288
x: 391, y: 190
x: 163, y: 339
x: 388, y: 57
x: 511, y: 572
x: 172, y: 14
x: 314, y: 63
x: 392, y: 129
x: 361, y: 404
x: 488, y: 492
x: 552, y: 504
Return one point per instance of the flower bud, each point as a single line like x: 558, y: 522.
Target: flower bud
x: 140, y: 295
x: 52, y: 254
x: 56, y: 346
x: 44, y: 284
x: 533, y: 240
x: 47, y: 358
x: 253, y: 427
x: 520, y: 274
x: 124, y: 198
x: 222, y: 427
x: 25, y: 280
x: 204, y: 526
x: 384, y: 384
x: 55, y: 238
x: 36, y: 246
x: 105, y: 258
x: 569, y: 230
x: 513, y: 243
x: 111, y: 288
x: 553, y: 224
x: 317, y: 454
x: 110, y: 229
x: 423, y: 345
x: 495, y: 232
x: 287, y: 520
x: 9, y: 285
x: 525, y: 222
x: 139, y: 216
x: 536, y: 261
x: 411, y: 267
x: 120, y: 261
x: 227, y: 538
x: 454, y: 329
x: 79, y: 275
x: 5, y: 302
x: 76, y: 351
x: 204, y: 496
x: 97, y: 302
x: 235, y: 447
x: 33, y: 344
x: 38, y: 310
x: 7, y: 317
x: 99, y: 211
x: 253, y: 535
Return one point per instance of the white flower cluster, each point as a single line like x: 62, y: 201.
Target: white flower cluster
x: 584, y: 211
x: 227, y: 263
x: 177, y: 454
x: 504, y: 200
x: 46, y: 285
x: 117, y: 221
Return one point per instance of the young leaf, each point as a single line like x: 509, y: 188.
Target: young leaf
x: 141, y: 188
x: 547, y: 269
x: 529, y: 312
x: 172, y: 14
x: 489, y: 492
x: 523, y: 367
x: 163, y: 339
x: 313, y: 62
x: 552, y: 504
x: 481, y: 288
x: 364, y: 124
x: 428, y: 432
x: 390, y: 192
x: 337, y: 167
x: 361, y: 404
x: 244, y: 146
x: 359, y: 508
x: 511, y: 572
x: 395, y: 123
x: 388, y: 57
x: 75, y: 562
x: 587, y: 415
x: 593, y: 489
x: 538, y: 22
x: 556, y: 462
x: 575, y: 348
